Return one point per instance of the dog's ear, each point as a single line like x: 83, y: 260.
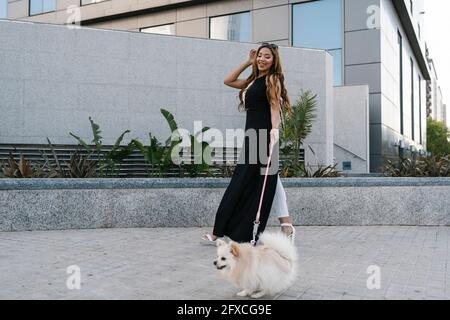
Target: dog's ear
x: 234, y: 249
x: 220, y: 242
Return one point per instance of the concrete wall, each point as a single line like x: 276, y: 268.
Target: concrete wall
x: 351, y: 127
x: 46, y: 204
x: 362, y: 62
x: 56, y: 77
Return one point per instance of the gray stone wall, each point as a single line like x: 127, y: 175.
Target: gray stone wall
x: 47, y: 204
x: 351, y: 128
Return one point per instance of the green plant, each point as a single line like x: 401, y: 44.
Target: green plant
x: 437, y: 166
x: 164, y: 157
x: 80, y: 166
x: 431, y: 166
x: 153, y: 155
x: 300, y: 170
x: 437, y: 138
x: 172, y: 151
x: 294, y: 131
x: 226, y: 171
x: 59, y: 170
x: 322, y: 171
x: 197, y: 162
x: 109, y: 160
x: 198, y: 150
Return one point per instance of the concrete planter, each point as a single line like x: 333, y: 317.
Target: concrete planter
x: 51, y: 204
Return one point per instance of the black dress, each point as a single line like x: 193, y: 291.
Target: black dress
x: 237, y: 210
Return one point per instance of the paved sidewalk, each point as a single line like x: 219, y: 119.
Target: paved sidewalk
x: 172, y: 263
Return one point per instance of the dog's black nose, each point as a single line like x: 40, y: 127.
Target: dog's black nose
x: 215, y: 263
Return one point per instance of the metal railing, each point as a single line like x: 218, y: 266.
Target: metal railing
x: 134, y: 166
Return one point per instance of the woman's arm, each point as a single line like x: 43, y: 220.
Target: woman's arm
x: 232, y: 79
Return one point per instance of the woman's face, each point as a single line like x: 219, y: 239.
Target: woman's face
x: 264, y: 59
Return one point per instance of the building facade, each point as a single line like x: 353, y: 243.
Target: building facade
x: 373, y: 42
x: 436, y: 109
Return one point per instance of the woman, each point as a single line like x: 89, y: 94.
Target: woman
x: 260, y: 96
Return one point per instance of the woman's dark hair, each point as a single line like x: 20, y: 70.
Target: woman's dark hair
x: 275, y: 74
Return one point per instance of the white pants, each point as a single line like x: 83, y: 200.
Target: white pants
x: 279, y: 205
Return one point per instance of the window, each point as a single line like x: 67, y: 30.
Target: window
x: 41, y: 6
x: 3, y: 8
x: 164, y: 29
x: 412, y: 98
x: 346, y: 165
x: 400, y: 54
x: 318, y: 24
x: 420, y: 109
x: 235, y: 27
x: 84, y: 2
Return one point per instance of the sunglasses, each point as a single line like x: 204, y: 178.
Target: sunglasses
x: 270, y: 45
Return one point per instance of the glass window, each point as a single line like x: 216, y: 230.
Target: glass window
x: 3, y: 8
x: 318, y: 24
x: 42, y: 6
x: 84, y: 2
x: 235, y: 27
x: 400, y: 76
x: 412, y: 99
x: 165, y: 29
x: 420, y: 109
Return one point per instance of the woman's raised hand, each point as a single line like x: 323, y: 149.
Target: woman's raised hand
x: 251, y: 56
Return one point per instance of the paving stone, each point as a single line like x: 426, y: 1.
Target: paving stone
x: 173, y: 263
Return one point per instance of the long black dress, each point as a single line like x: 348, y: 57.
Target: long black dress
x: 237, y: 210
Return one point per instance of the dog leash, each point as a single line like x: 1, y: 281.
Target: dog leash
x: 258, y: 214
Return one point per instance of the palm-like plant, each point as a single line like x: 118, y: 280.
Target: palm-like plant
x: 107, y: 161
x: 198, y: 149
x: 164, y: 157
x: 171, y: 155
x: 296, y: 128
x: 153, y: 154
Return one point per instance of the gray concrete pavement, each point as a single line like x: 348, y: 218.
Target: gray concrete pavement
x: 172, y: 263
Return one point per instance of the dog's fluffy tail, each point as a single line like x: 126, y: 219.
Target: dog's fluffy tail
x: 280, y: 243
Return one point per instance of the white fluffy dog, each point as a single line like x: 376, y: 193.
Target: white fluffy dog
x: 265, y: 269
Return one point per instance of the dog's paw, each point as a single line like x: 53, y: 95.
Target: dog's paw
x: 257, y: 294
x: 242, y: 293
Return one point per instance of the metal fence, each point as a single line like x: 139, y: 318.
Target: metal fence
x: 223, y: 159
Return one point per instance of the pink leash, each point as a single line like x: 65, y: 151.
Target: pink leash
x: 256, y: 223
